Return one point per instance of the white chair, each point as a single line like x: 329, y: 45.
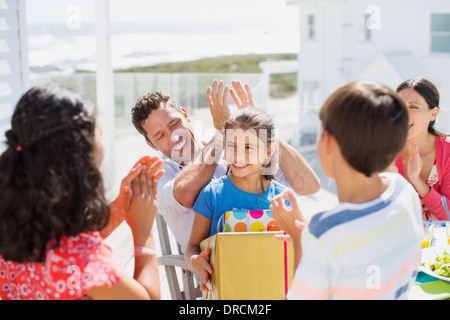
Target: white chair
x: 172, y: 259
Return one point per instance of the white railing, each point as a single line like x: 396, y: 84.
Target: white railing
x: 188, y: 89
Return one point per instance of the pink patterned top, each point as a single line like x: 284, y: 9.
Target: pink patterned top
x: 75, y: 267
x: 440, y: 191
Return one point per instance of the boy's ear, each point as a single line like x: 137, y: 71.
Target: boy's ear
x: 185, y: 113
x: 329, y: 141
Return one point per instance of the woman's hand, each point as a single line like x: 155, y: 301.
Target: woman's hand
x: 415, y: 164
x: 120, y: 206
x: 122, y: 202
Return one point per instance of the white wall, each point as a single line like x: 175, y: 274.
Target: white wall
x: 404, y: 27
x: 399, y: 48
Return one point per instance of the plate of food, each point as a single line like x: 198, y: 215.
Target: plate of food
x: 435, y: 261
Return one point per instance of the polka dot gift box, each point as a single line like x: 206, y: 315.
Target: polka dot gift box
x: 247, y: 221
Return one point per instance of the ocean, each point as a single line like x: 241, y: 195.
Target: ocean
x: 55, y: 47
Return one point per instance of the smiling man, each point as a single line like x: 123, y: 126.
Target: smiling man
x: 168, y: 129
x: 191, y: 163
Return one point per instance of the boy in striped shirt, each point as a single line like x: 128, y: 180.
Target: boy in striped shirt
x: 368, y: 247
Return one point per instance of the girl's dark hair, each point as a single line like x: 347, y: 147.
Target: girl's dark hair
x: 262, y: 123
x: 429, y: 92
x: 50, y: 185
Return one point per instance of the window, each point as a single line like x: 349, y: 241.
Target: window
x: 311, y: 27
x: 440, y: 32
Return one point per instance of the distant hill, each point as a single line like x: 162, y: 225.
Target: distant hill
x: 281, y: 85
x: 224, y: 64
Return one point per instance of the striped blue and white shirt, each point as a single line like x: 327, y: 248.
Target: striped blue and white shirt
x: 362, y: 251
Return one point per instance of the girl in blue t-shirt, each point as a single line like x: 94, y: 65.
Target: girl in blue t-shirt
x: 250, y: 152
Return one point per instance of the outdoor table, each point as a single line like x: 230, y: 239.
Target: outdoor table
x: 428, y: 287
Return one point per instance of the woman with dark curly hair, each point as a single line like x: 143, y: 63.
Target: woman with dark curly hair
x: 52, y: 206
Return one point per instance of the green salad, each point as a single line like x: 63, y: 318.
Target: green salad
x: 441, y: 265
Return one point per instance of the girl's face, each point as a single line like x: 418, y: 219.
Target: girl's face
x: 245, y: 153
x: 420, y: 115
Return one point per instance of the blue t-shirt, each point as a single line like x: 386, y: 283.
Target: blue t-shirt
x: 222, y: 195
